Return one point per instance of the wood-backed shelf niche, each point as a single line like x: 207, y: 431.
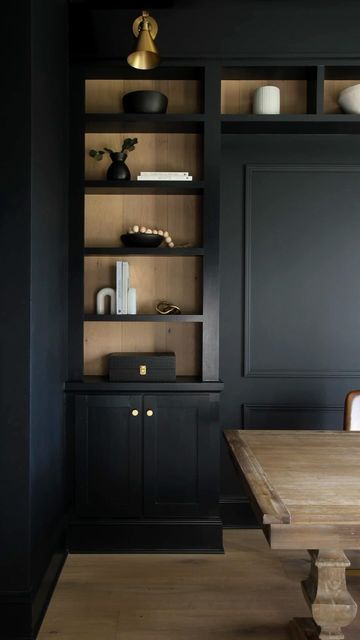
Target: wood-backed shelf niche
x: 175, y: 279
x: 108, y: 217
x: 336, y: 79
x: 154, y: 152
x: 102, y: 338
x: 183, y: 87
x: 297, y: 86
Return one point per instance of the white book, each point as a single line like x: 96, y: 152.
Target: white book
x: 164, y: 173
x: 125, y: 287
x: 167, y: 178
x: 119, y: 285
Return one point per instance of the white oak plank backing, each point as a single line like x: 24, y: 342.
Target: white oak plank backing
x: 174, y: 279
x: 332, y: 89
x: 102, y: 338
x: 154, y: 152
x: 237, y: 95
x: 107, y: 217
x: 105, y: 96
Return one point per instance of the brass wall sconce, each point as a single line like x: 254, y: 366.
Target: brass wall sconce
x: 146, y: 55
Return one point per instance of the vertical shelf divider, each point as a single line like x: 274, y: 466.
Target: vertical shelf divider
x: 320, y: 87
x: 211, y: 226
x: 76, y: 226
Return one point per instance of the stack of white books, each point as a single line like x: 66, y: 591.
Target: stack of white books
x: 164, y: 175
x: 122, y: 287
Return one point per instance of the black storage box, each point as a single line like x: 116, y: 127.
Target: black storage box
x: 142, y: 367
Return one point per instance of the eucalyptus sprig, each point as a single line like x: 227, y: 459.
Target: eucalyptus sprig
x: 127, y: 146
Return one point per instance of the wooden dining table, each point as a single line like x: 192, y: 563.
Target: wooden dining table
x: 304, y: 487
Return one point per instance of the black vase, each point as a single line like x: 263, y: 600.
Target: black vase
x: 118, y: 170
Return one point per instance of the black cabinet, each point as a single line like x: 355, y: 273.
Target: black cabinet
x: 146, y: 472
x: 108, y: 452
x: 180, y: 456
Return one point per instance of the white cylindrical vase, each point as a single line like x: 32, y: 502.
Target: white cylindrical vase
x: 266, y: 100
x: 132, y: 301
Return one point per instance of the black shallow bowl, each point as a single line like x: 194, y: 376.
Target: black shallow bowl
x: 142, y: 240
x: 145, y: 102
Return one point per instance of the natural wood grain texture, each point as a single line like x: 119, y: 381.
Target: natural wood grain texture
x: 332, y: 89
x: 102, y: 338
x: 106, y: 218
x: 352, y: 411
x: 326, y: 592
x: 247, y: 594
x: 105, y: 96
x: 154, y: 152
x: 175, y: 279
x: 271, y: 507
x: 316, y: 474
x: 237, y: 95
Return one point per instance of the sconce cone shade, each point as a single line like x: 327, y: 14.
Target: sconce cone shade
x: 146, y: 55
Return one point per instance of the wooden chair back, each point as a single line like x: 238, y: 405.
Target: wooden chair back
x: 352, y: 411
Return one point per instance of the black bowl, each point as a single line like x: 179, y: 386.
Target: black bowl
x: 145, y: 102
x: 142, y: 239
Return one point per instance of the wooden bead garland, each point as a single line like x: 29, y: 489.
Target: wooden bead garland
x: 159, y: 232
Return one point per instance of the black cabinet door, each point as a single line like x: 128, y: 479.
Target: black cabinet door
x: 108, y: 456
x: 181, y: 442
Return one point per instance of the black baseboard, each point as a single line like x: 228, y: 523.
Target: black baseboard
x: 236, y: 513
x: 21, y: 613
x: 146, y: 536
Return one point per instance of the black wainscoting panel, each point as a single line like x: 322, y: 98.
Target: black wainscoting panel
x: 262, y: 416
x: 302, y: 297
x: 304, y: 269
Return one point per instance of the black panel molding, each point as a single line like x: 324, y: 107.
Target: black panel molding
x: 249, y: 370
x: 255, y: 416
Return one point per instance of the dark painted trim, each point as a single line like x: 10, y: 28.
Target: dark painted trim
x: 146, y: 536
x: 22, y: 613
x: 249, y: 372
x: 183, y: 384
x: 236, y: 513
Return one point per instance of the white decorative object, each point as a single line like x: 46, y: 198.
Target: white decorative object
x: 122, y: 286
x: 349, y: 99
x: 266, y: 100
x: 100, y: 300
x: 132, y: 301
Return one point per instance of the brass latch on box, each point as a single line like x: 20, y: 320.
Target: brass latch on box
x: 143, y: 369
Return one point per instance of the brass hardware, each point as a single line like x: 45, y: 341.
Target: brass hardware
x: 166, y: 308
x: 146, y: 55
x: 149, y: 413
x: 135, y: 412
x: 142, y: 370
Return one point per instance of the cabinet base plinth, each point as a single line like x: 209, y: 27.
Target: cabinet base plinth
x: 145, y: 536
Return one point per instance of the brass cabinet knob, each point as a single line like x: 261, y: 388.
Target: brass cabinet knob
x: 135, y: 412
x: 149, y: 413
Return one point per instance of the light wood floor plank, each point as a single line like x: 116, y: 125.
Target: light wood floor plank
x: 250, y: 593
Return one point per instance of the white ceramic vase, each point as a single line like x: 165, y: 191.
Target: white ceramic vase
x: 266, y: 100
x: 349, y: 99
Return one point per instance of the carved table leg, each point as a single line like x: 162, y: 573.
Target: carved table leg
x: 330, y: 602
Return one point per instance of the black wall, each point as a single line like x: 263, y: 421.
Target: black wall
x: 289, y: 223
x: 232, y: 28
x: 33, y: 222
